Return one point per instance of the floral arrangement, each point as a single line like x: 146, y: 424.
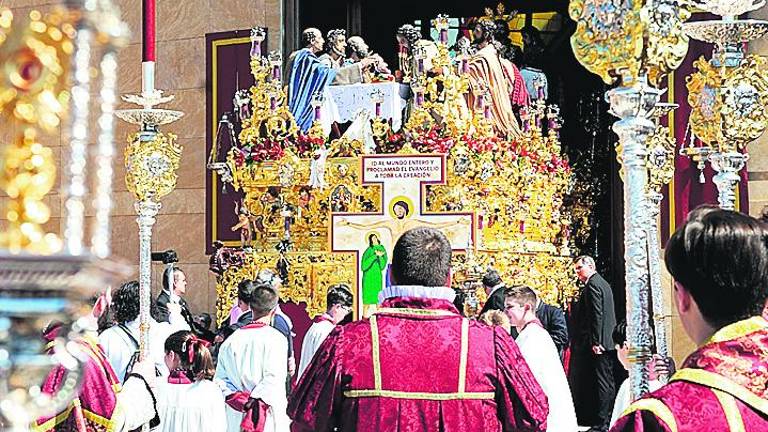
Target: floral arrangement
x: 264, y: 149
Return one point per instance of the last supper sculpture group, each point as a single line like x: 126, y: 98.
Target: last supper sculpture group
x: 450, y: 140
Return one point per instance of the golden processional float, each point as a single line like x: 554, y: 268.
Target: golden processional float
x: 511, y: 191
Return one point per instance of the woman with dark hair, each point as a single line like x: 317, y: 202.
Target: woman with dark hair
x: 719, y: 262
x: 121, y: 341
x: 189, y: 400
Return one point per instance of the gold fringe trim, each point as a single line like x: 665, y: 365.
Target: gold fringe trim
x: 719, y: 382
x: 731, y: 410
x: 417, y: 395
x: 375, y: 353
x: 657, y: 408
x: 463, y: 358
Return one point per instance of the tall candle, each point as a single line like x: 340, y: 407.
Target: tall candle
x: 148, y: 54
x: 317, y: 113
x: 444, y: 36
x: 147, y: 77
x: 378, y: 109
x: 524, y: 119
x: 255, y: 48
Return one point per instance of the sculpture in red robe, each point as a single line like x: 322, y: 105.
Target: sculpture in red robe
x: 417, y: 365
x: 723, y: 386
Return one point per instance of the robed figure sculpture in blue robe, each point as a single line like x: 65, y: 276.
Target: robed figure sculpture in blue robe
x: 308, y: 75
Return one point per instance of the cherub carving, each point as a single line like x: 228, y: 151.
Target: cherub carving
x: 244, y: 225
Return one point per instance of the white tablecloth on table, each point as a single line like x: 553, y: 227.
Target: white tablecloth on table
x: 350, y: 99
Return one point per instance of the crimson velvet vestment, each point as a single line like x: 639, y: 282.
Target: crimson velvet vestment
x: 102, y: 404
x: 723, y: 386
x: 417, y: 365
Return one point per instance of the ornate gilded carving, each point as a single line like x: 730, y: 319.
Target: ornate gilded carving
x: 728, y: 104
x: 608, y: 36
x: 660, y: 158
x: 310, y: 275
x: 745, y: 98
x: 35, y: 53
x: 151, y: 165
x: 667, y: 42
x: 27, y: 174
x: 629, y: 38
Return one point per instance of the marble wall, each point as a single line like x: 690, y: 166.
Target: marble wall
x: 181, y: 29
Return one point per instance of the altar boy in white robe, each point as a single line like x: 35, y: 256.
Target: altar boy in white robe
x: 339, y: 304
x: 540, y: 353
x: 252, y: 367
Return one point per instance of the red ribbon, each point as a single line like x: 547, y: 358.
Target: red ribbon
x: 254, y: 411
x: 191, y: 343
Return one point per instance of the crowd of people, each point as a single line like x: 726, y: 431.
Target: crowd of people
x: 417, y: 364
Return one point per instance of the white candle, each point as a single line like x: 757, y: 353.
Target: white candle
x: 147, y: 77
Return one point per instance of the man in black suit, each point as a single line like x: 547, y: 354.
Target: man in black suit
x: 174, y: 287
x: 596, y: 322
x: 552, y: 318
x: 494, y: 288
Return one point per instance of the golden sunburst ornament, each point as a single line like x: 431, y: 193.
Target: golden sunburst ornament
x: 151, y: 165
x: 728, y: 103
x: 35, y: 52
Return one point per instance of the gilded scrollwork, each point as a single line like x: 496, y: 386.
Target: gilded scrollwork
x: 667, y: 42
x: 151, y: 165
x: 310, y: 274
x: 660, y: 158
x: 35, y: 52
x: 27, y: 173
x: 745, y: 98
x: 728, y: 104
x: 608, y: 37
x: 629, y: 38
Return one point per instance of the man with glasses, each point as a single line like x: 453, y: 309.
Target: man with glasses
x: 339, y: 305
